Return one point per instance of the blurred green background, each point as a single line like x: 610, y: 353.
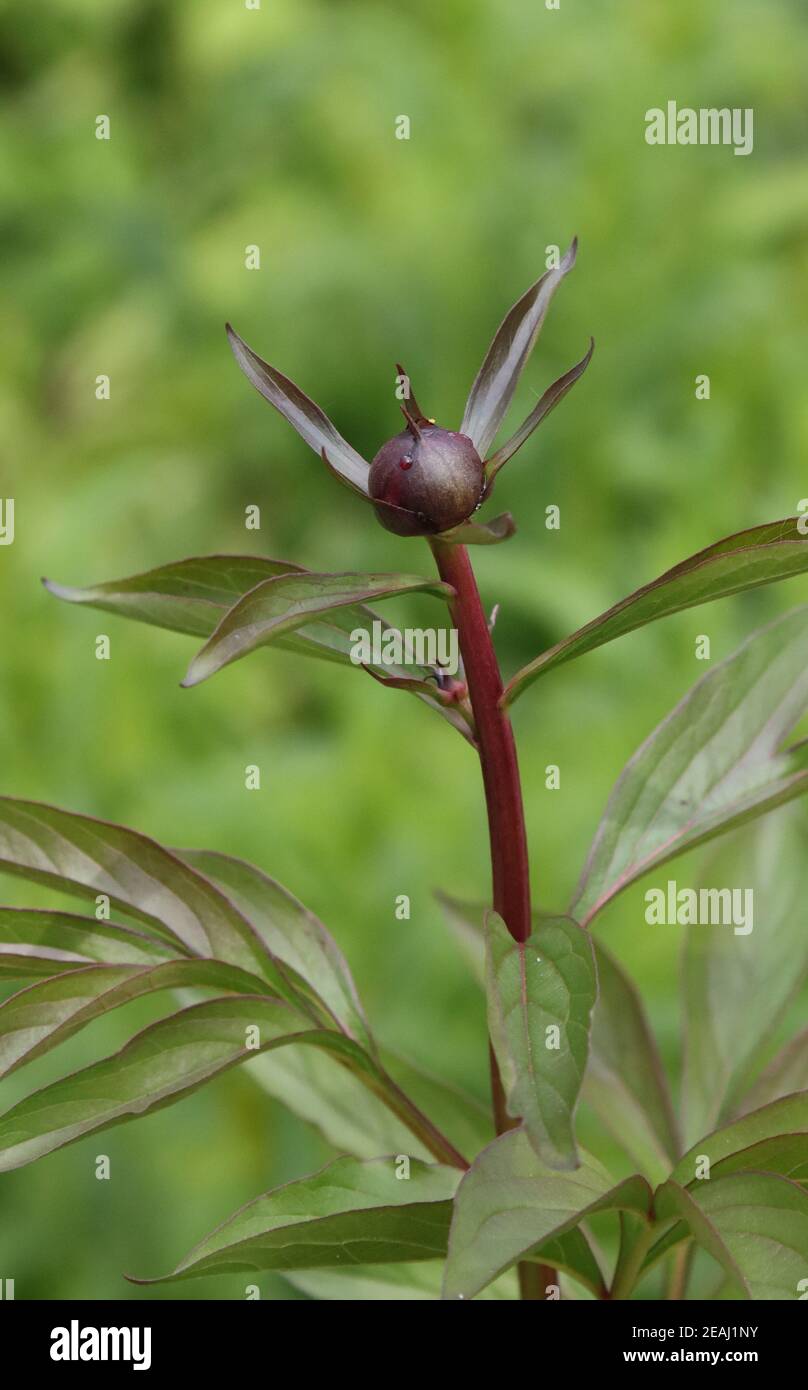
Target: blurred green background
x: 232, y: 127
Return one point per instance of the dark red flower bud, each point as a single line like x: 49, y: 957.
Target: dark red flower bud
x: 436, y: 475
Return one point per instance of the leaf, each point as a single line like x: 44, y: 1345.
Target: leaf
x: 754, y: 1224
x: 90, y: 857
x: 785, y: 1154
x: 353, y: 1119
x: 47, y: 942
x: 493, y: 532
x: 44, y: 1015
x: 357, y: 1120
x: 786, y: 1072
x: 712, y: 764
x: 570, y: 1253
x: 635, y: 1234
x: 463, y: 1118
x: 456, y: 712
x: 760, y: 555
x: 547, y: 982
x: 786, y: 1116
x: 291, y: 932
x: 303, y: 415
x: 82, y: 855
x: 192, y: 596
x: 513, y: 342
x: 159, y: 1066
x: 280, y: 605
x: 625, y: 1082
x: 765, y: 1145
x: 189, y: 596
x: 350, y: 1213
x: 551, y: 398
x: 389, y: 1283
x: 509, y: 1205
x: 735, y: 986
x: 32, y: 962
x: 775, y: 1140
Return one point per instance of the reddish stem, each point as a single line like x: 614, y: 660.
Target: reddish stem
x: 503, y: 793
x: 503, y: 798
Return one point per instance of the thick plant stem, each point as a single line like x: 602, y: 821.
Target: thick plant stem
x: 503, y: 798
x: 503, y: 792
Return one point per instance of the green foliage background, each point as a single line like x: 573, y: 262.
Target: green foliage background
x: 232, y: 127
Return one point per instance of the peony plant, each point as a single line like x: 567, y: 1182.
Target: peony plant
x: 430, y: 1195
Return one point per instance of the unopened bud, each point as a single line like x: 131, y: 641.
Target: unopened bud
x: 434, y: 474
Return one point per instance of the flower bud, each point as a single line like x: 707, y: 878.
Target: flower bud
x: 434, y: 474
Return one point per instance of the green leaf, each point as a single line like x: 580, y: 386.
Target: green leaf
x: 625, y: 1082
x: 39, y: 1018
x: 547, y: 402
x: 82, y: 855
x: 510, y: 1205
x: 31, y: 962
x: 736, y: 987
x: 353, y: 1119
x: 754, y: 1224
x: 93, y: 858
x: 356, y: 1120
x: 283, y: 604
x: 546, y: 983
x: 189, y: 596
x: 786, y: 1154
x: 463, y: 1118
x: 192, y: 596
x: 512, y: 344
x: 763, y: 1145
x: 712, y: 764
x: 760, y: 555
x: 350, y: 1213
x: 571, y: 1253
x: 47, y: 942
x: 787, y: 1072
x: 303, y: 415
x: 786, y: 1116
x: 292, y: 933
x: 159, y: 1066
x: 389, y: 1283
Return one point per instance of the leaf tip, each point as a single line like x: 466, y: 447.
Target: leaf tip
x: 239, y: 347
x: 60, y: 590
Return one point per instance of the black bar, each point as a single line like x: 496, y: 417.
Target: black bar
x: 242, y: 1337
